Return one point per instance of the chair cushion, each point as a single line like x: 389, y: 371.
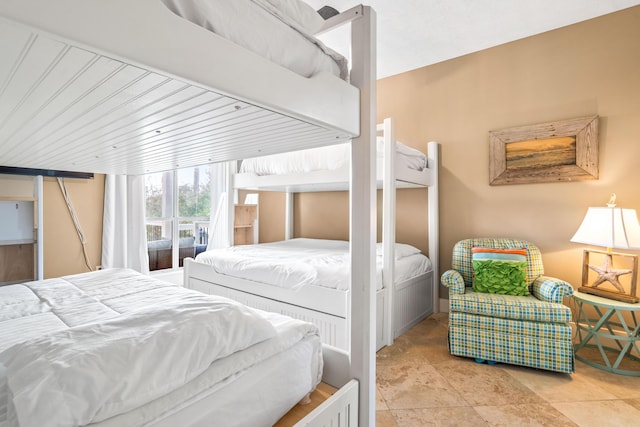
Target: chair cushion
x: 500, y: 271
x: 509, y: 306
x: 461, y: 257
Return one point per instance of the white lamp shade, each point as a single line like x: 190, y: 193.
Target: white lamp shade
x: 609, y: 227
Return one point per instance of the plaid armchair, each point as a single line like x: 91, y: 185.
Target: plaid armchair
x: 528, y: 330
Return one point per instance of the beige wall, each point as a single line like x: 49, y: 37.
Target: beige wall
x: 326, y: 216
x: 591, y: 68
x: 62, y: 248
x: 270, y: 216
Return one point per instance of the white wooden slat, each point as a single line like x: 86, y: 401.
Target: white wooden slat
x: 123, y: 122
x: 60, y: 108
x: 126, y: 85
x: 151, y: 142
x: 39, y: 127
x: 181, y: 122
x: 262, y: 130
x: 256, y: 135
x: 59, y: 75
x: 194, y: 157
x: 14, y: 42
x: 149, y: 88
x: 39, y: 53
x: 66, y: 107
x: 119, y: 130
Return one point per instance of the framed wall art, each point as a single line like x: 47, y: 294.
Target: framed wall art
x: 560, y: 151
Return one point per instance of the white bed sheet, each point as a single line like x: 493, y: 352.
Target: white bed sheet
x: 253, y: 25
x: 76, y: 303
x: 301, y: 262
x: 326, y: 158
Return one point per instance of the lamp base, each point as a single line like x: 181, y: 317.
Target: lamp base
x: 609, y: 294
x: 607, y: 273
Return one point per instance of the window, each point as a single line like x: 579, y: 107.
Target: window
x: 178, y: 205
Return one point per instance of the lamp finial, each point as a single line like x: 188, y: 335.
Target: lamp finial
x: 612, y: 201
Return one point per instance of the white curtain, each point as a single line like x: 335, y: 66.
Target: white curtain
x: 124, y: 237
x: 219, y: 223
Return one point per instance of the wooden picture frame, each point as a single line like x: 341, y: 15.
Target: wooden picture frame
x: 625, y: 273
x: 565, y: 150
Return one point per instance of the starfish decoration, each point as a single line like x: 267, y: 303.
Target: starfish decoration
x: 607, y: 273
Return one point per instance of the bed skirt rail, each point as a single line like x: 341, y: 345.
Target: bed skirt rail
x: 341, y: 409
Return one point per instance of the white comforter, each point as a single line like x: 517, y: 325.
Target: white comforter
x: 106, y: 343
x: 258, y: 26
x: 329, y: 158
x: 295, y: 263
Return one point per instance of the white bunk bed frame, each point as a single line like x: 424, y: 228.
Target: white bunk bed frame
x: 399, y: 306
x: 104, y: 86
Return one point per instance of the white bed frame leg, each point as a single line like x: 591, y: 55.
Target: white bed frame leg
x: 363, y: 217
x: 433, y: 160
x: 389, y: 228
x: 288, y: 216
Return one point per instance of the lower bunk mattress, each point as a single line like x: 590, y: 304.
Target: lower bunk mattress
x: 295, y: 263
x: 117, y: 348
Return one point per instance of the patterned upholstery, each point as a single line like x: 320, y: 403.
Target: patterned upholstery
x: 509, y: 307
x: 522, y: 330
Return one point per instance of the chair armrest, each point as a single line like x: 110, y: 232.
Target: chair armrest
x: 453, y: 280
x: 551, y: 289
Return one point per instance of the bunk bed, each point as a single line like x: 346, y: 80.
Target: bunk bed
x: 124, y: 87
x: 260, y: 275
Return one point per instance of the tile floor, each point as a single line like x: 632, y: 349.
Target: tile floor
x: 420, y: 384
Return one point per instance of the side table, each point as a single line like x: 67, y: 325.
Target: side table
x: 615, y: 331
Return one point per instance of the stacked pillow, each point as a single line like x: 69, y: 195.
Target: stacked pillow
x: 500, y: 271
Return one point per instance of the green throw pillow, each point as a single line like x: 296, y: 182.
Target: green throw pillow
x: 500, y: 271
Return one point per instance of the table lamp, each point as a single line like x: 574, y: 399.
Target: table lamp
x: 610, y: 227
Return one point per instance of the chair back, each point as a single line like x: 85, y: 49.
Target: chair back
x: 461, y: 259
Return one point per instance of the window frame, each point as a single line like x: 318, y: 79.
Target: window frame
x: 175, y: 220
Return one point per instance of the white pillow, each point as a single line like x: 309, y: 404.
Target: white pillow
x: 300, y: 12
x: 402, y: 250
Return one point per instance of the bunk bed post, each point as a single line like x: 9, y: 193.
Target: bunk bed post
x: 433, y: 160
x: 388, y: 228
x: 288, y: 216
x: 232, y: 195
x: 38, y: 194
x: 363, y: 217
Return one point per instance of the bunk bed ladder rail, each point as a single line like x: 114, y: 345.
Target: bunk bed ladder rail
x: 388, y: 228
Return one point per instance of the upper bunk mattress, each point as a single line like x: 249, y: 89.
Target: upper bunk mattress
x: 295, y: 263
x: 279, y: 30
x: 109, y: 346
x: 327, y: 158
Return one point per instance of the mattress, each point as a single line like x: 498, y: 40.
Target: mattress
x: 327, y: 158
x: 84, y: 349
x: 279, y: 30
x: 300, y: 262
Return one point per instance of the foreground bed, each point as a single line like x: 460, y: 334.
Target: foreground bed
x: 116, y: 348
